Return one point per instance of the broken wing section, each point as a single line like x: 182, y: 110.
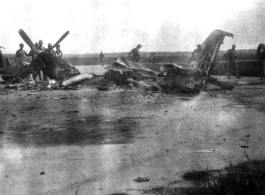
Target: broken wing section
x: 179, y: 78
x: 137, y: 68
x: 210, y: 47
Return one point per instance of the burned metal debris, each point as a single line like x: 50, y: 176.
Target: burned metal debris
x: 191, y: 78
x: 56, y: 68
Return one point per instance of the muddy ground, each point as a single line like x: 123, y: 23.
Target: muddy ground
x: 97, y: 142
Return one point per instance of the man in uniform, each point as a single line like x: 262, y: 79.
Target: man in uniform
x: 195, y: 55
x: 261, y: 59
x: 20, y: 54
x: 231, y: 55
x: 41, y: 47
x: 197, y: 52
x: 59, y: 52
x: 134, y: 53
x: 101, y: 56
x: 48, y: 49
x: 36, y: 68
x: 152, y: 58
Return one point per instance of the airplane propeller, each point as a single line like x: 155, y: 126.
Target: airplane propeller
x: 26, y: 38
x: 59, y: 41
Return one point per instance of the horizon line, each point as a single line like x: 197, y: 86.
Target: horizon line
x: 128, y: 52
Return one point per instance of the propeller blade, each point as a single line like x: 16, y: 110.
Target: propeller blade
x: 59, y: 41
x: 2, y: 47
x: 25, y: 37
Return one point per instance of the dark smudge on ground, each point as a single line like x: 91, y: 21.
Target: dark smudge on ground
x: 91, y: 131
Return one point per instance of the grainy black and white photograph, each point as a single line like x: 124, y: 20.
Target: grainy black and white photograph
x: 131, y: 97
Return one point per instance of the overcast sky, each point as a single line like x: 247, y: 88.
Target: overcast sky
x: 119, y: 25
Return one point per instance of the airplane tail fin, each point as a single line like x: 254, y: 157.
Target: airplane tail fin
x: 210, y: 47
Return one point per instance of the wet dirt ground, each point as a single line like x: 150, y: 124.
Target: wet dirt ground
x: 97, y: 142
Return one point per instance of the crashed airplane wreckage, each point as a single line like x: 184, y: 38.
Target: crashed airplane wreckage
x: 191, y: 78
x: 52, y: 66
x: 13, y: 71
x: 196, y: 76
x: 172, y: 77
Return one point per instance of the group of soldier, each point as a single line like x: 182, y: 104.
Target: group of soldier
x: 21, y: 53
x: 230, y: 55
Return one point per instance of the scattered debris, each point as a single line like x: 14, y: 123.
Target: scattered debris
x: 142, y: 179
x: 42, y: 173
x: 243, y: 82
x: 76, y: 79
x: 60, y: 98
x: 73, y: 111
x: 102, y: 88
x: 38, y: 92
x: 11, y: 86
x: 244, y: 146
x: 240, y: 106
x: 52, y: 84
x: 171, y: 78
x: 199, y: 151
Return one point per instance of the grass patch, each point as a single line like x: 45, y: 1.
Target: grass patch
x: 242, y: 179
x: 197, y: 176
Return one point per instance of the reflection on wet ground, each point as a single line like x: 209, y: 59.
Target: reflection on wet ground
x: 84, y: 118
x: 76, y: 121
x: 247, y: 94
x: 91, y: 131
x: 191, y: 123
x: 98, y: 118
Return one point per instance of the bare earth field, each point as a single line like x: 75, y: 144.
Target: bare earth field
x: 97, y: 142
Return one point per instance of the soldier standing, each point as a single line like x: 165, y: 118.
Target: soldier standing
x: 36, y: 67
x: 59, y: 52
x: 134, y: 53
x: 101, y: 56
x: 41, y: 47
x: 49, y: 49
x: 152, y: 58
x: 194, y: 60
x: 20, y: 54
x: 197, y: 52
x: 261, y: 59
x: 231, y: 55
